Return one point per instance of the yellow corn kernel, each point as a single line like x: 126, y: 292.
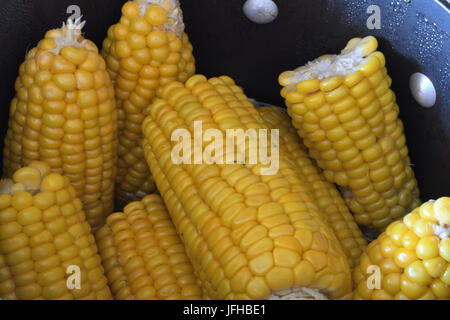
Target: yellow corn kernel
x: 156, y: 15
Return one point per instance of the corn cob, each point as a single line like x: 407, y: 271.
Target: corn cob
x: 143, y: 256
x: 43, y: 231
x: 64, y: 113
x: 323, y: 193
x: 344, y: 109
x: 146, y: 49
x: 253, y: 235
x: 412, y: 256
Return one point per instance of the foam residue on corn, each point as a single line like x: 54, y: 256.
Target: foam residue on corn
x: 351, y: 58
x: 442, y: 226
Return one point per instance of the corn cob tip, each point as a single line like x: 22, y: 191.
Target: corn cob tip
x: 355, y: 55
x: 69, y: 35
x: 44, y: 237
x: 165, y: 13
x: 27, y: 178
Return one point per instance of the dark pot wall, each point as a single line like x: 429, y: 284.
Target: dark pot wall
x: 414, y: 36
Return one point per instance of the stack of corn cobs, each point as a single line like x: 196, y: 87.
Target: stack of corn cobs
x: 90, y: 183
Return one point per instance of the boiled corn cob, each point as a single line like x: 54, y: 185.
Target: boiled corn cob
x: 64, y: 113
x: 344, y: 109
x: 146, y: 49
x: 412, y: 256
x: 253, y: 235
x: 323, y: 193
x: 143, y: 255
x: 43, y: 232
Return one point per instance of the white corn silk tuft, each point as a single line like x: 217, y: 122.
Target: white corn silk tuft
x: 70, y: 35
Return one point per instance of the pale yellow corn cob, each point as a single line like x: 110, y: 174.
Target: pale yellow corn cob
x: 346, y: 114
x: 254, y: 236
x: 147, y: 48
x: 143, y: 256
x: 64, y: 113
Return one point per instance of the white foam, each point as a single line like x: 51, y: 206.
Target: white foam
x: 351, y: 58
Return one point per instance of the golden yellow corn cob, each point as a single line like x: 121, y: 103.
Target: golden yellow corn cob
x: 411, y: 260
x: 146, y: 49
x: 143, y: 255
x: 64, y: 113
x: 344, y: 109
x: 323, y: 193
x: 43, y: 232
x: 254, y: 236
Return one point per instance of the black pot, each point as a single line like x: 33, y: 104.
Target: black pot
x: 414, y: 36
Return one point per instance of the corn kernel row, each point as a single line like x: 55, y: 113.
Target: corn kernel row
x: 147, y: 48
x: 43, y: 231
